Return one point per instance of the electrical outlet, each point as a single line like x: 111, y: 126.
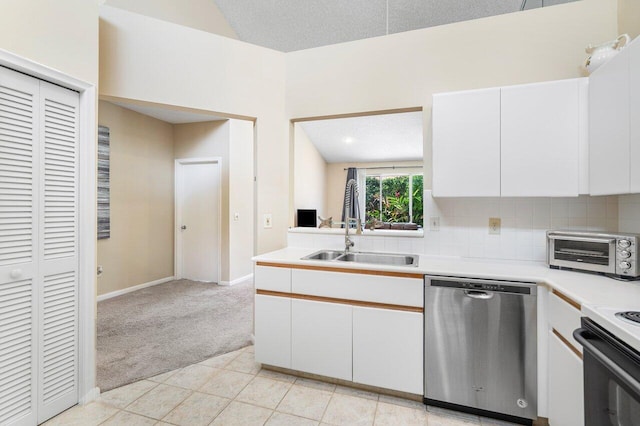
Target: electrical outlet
x: 494, y: 225
x: 236, y: 216
x: 267, y: 220
x: 434, y: 223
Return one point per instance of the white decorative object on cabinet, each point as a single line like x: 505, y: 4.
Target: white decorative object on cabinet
x: 566, y: 385
x: 540, y: 132
x: 388, y: 349
x: 38, y: 249
x: 466, y: 144
x: 273, y: 330
x: 321, y: 339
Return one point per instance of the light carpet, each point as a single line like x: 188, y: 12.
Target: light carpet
x: 168, y: 326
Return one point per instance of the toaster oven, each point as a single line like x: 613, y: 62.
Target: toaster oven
x: 610, y: 254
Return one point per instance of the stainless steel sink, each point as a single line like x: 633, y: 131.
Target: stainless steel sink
x: 324, y: 255
x: 392, y: 259
x: 380, y: 258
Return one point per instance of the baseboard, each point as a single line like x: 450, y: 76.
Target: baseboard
x: 92, y: 395
x: 237, y: 280
x: 134, y: 288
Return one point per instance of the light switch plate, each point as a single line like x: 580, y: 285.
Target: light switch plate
x: 434, y: 223
x: 267, y: 220
x: 236, y: 216
x: 494, y: 225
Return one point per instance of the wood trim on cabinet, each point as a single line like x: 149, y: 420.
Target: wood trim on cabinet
x: 343, y: 270
x: 567, y: 299
x: 567, y: 343
x: 341, y: 301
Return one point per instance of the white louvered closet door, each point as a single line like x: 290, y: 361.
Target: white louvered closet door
x: 38, y: 249
x: 58, y: 258
x: 18, y: 247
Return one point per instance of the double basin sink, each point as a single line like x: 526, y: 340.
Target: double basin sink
x: 392, y: 259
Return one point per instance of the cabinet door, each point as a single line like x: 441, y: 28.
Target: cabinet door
x: 566, y: 388
x: 540, y: 130
x: 388, y: 349
x: 321, y: 338
x: 466, y: 144
x: 273, y: 330
x: 634, y: 115
x: 272, y: 278
x: 609, y: 127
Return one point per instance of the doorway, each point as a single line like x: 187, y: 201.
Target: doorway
x: 197, y: 213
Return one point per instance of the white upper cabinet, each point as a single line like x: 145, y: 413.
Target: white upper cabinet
x: 540, y: 132
x: 634, y: 116
x: 609, y: 170
x: 466, y: 144
x: 519, y: 141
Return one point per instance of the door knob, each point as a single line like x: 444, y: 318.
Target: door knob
x: 15, y: 273
x: 183, y: 227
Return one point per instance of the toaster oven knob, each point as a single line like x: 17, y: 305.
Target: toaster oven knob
x: 624, y: 243
x: 624, y: 265
x: 625, y: 254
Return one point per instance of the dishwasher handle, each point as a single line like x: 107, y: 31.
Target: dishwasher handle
x: 478, y: 294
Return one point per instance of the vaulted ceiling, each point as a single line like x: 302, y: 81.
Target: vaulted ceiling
x: 289, y: 25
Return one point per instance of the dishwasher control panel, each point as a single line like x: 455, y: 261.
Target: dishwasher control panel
x: 481, y: 285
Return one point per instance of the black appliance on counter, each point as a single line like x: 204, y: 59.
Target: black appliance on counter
x: 611, y: 377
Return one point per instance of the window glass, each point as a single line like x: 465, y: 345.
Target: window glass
x: 394, y: 198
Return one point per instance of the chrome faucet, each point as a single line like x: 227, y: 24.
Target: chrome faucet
x: 348, y: 242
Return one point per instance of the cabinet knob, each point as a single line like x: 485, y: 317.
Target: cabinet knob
x: 15, y: 273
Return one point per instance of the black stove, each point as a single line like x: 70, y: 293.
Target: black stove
x: 632, y: 316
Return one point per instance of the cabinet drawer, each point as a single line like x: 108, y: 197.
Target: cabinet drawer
x: 272, y: 278
x: 368, y: 288
x: 564, y: 318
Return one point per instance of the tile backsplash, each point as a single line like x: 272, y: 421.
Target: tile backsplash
x: 464, y: 224
x: 629, y: 212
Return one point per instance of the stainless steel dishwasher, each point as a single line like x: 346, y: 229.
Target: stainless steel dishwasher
x: 480, y: 346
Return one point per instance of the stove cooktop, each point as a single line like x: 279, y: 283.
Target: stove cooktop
x: 631, y: 316
x: 624, y: 324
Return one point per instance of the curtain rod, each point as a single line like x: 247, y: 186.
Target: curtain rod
x: 387, y: 167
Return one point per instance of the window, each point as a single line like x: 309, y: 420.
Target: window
x: 394, y: 198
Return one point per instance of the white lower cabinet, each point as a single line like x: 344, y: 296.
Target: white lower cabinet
x: 566, y: 385
x: 388, y: 348
x: 273, y: 330
x: 321, y: 340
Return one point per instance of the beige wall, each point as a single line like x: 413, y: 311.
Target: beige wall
x: 241, y: 230
x: 337, y: 178
x: 200, y: 14
x: 309, y: 175
x: 209, y: 139
x: 140, y: 248
x: 629, y: 17
x: 156, y: 61
x: 59, y: 34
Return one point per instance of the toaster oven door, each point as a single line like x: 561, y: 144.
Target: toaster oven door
x: 587, y: 253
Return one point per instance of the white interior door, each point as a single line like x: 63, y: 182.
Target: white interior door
x: 198, y: 218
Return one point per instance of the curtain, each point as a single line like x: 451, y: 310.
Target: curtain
x: 352, y: 173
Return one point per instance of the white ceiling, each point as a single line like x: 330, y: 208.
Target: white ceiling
x: 374, y: 138
x: 173, y: 116
x: 288, y: 25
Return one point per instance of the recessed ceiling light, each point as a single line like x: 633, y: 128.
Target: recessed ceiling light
x: 348, y: 140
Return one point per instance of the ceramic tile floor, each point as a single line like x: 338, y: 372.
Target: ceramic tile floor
x: 232, y: 389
